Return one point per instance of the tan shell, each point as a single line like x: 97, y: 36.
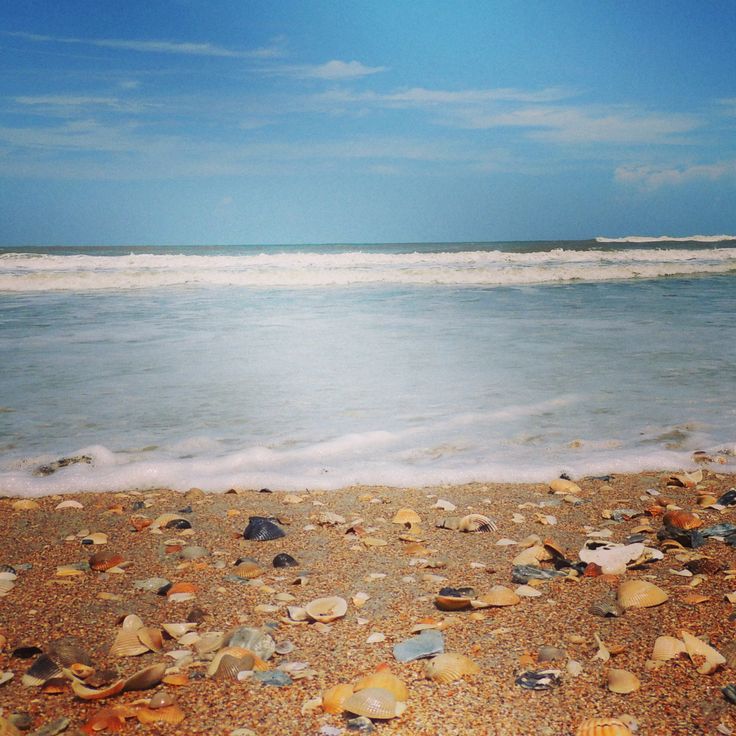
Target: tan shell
x: 132, y: 622
x: 682, y: 519
x: 603, y: 727
x: 449, y: 667
x: 90, y: 693
x: 127, y: 644
x: 374, y: 702
x: 706, y: 499
x: 326, y: 609
x: 667, y: 647
x: 82, y: 671
x: 622, y: 681
x: 168, y: 714
x: 685, y: 480
x: 640, y: 594
x: 499, y: 595
x: 230, y: 666
x: 177, y: 630
x: 334, y: 697
x: 146, y: 678
x: 26, y: 504
x: 406, y: 516
x: 477, y: 523
x: 532, y: 556
x: 702, y: 654
x: 244, y: 659
x: 249, y: 569
x: 384, y: 678
x: 451, y: 602
x: 152, y: 638
x: 562, y: 486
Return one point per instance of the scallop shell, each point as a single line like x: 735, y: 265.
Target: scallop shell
x: 499, y: 595
x: 43, y: 669
x: 105, y: 560
x: 284, y: 560
x: 711, y: 658
x: 667, y: 647
x: 407, y: 517
x: 563, y: 486
x: 384, y: 678
x: 682, y: 520
x: 262, y: 529
x: 374, y: 702
x: 622, y: 681
x: 449, y: 667
x: 259, y: 642
x: 146, y: 678
x: 640, y: 594
x: 127, y: 644
x: 606, y: 608
x: 327, y: 609
x: 110, y: 719
x: 334, y: 697
x: 603, y: 727
x: 477, y: 523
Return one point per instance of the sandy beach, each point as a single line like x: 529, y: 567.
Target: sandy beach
x: 345, y: 543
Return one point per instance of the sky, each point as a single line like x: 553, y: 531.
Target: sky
x: 298, y: 121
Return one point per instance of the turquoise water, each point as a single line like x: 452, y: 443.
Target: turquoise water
x: 322, y: 367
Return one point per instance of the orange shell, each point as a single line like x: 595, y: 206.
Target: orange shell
x: 603, y: 727
x: 334, y: 697
x: 181, y: 588
x: 140, y: 522
x: 383, y: 677
x: 682, y: 520
x: 88, y: 693
x: 167, y: 714
x: 177, y: 679
x: 105, y: 560
x: 451, y: 603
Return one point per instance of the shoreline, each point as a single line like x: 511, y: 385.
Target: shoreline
x: 674, y: 698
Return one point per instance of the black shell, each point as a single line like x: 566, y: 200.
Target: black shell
x: 458, y: 592
x: 262, y: 529
x: 539, y: 679
x: 284, y: 560
x: 179, y: 524
x: 26, y: 652
x: 43, y: 669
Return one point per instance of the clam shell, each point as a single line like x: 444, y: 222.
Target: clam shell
x: 168, y: 714
x: 334, y: 697
x: 531, y: 555
x: 152, y: 638
x: 406, y: 516
x: 708, y: 658
x: 284, y: 560
x: 384, y: 678
x: 161, y: 699
x: 640, y: 594
x: 262, y: 529
x: 682, y: 520
x: 374, y: 702
x: 499, y: 595
x: 606, y: 608
x: 259, y: 642
x: 132, y: 622
x: 248, y: 568
x: 603, y: 727
x: 622, y: 681
x: 146, y: 678
x: 327, y: 609
x: 667, y: 647
x: 477, y: 523
x: 449, y: 667
x: 563, y: 486
x: 127, y: 644
x: 104, y: 560
x: 43, y: 669
x: 82, y: 671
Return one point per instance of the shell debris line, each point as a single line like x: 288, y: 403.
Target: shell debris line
x: 598, y: 606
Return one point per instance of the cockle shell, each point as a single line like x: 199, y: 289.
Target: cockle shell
x: 667, y: 647
x: 622, y: 681
x: 406, y: 516
x: 325, y: 610
x: 152, y: 638
x: 384, y: 678
x: 449, y: 667
x: 284, y: 559
x: 603, y: 727
x: 374, y: 702
x: 477, y: 523
x: 127, y: 644
x: 230, y: 662
x: 682, y: 520
x: 334, y: 697
x: 146, y: 678
x: 169, y: 714
x: 263, y: 529
x: 248, y: 568
x: 695, y: 647
x: 640, y: 594
x: 43, y: 669
x: 498, y: 595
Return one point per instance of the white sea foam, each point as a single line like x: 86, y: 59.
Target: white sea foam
x: 667, y: 239
x: 21, y: 272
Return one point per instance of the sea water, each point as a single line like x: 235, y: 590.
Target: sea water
x: 325, y: 366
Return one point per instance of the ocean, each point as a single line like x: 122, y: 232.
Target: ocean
x: 294, y: 367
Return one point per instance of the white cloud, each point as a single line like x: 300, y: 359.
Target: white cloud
x: 652, y: 177
x: 332, y: 70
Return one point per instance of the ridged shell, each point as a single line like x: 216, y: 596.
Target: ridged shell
x: 603, y: 727
x: 682, y: 520
x: 259, y: 642
x: 606, y: 608
x: 667, y: 647
x: 449, y: 667
x: 169, y: 714
x: 640, y: 594
x: 248, y: 568
x: 334, y: 697
x: 229, y: 666
x: 127, y: 644
x: 500, y: 595
x: 622, y: 681
x: 262, y: 529
x: 284, y: 560
x: 43, y: 669
x: 105, y: 560
x: 708, y: 658
x: 108, y: 719
x: 384, y: 678
x: 146, y: 678
x: 374, y: 702
x: 327, y: 609
x: 477, y: 523
x: 406, y: 516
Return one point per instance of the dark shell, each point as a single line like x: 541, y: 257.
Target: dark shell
x: 69, y: 651
x: 704, y: 566
x: 539, y: 679
x: 8, y: 568
x: 262, y: 529
x: 197, y: 615
x: 284, y: 560
x: 26, y: 652
x: 185, y: 510
x: 607, y: 608
x: 457, y: 592
x: 178, y: 524
x: 525, y: 573
x: 138, y: 505
x: 728, y: 498
x: 729, y: 692
x: 43, y: 669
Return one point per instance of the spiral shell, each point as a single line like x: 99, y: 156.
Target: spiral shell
x: 667, y: 647
x: 334, y: 698
x: 327, y: 609
x: 603, y: 727
x: 374, y: 702
x: 477, y: 523
x: 449, y: 667
x: 682, y: 520
x: 622, y: 681
x: 640, y: 594
x: 384, y: 678
x: 407, y: 517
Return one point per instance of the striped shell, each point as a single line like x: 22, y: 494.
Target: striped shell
x: 334, y: 697
x: 667, y: 647
x: 406, y: 516
x: 374, y: 702
x: 248, y: 568
x: 477, y: 523
x: 449, y: 667
x: 262, y: 529
x: 168, y: 714
x: 499, y: 595
x: 127, y: 644
x: 230, y: 666
x: 603, y: 727
x: 152, y: 638
x: 326, y: 609
x: 622, y: 681
x: 682, y: 520
x: 43, y: 669
x: 606, y: 608
x: 105, y: 560
x: 384, y: 678
x: 146, y: 678
x: 640, y: 594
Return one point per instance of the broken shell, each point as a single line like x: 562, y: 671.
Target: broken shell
x: 564, y: 486
x: 704, y: 565
x: 127, y: 644
x: 449, y: 667
x: 334, y: 697
x: 428, y: 643
x: 254, y: 640
x: 407, y: 517
x: 606, y: 608
x: 146, y: 678
x: 612, y: 558
x: 499, y: 595
x: 96, y: 538
x: 89, y: 693
x: 452, y: 602
x: 477, y: 523
x: 325, y: 610
x: 682, y: 520
x: 105, y: 560
x: 82, y: 671
x: 685, y: 480
x: 640, y: 594
x: 667, y: 647
x: 177, y: 630
x: 384, y: 678
x: 263, y: 529
x: 603, y: 727
x: 43, y: 669
x: 708, y: 658
x: 622, y: 681
x: 532, y: 555
x: 67, y: 651
x: 374, y: 702
x: 539, y: 679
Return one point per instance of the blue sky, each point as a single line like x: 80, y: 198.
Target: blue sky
x: 237, y: 121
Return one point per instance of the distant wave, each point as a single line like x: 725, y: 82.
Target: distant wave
x: 667, y: 239
x: 22, y: 272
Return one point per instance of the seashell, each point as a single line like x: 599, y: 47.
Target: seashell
x: 110, y: 719
x: 230, y: 662
x: 152, y: 638
x: 682, y: 520
x: 334, y: 697
x: 262, y: 529
x: 178, y: 522
x: 711, y: 658
x: 685, y: 480
x: 448, y: 667
x: 170, y: 714
x: 640, y: 594
x: 43, y: 669
x: 254, y: 640
x: 606, y: 608
x: 89, y: 693
x: 284, y: 647
x: 444, y: 504
x: 407, y: 517
x: 68, y: 504
x: 132, y: 622
x: 161, y: 700
x: 452, y: 602
x: 296, y: 614
x: 194, y: 552
x: 612, y: 558
x: 146, y: 678
x: 26, y: 652
x: 667, y: 647
x: 428, y: 643
x: 477, y: 523
x: 374, y: 702
x: 564, y: 486
x: 384, y: 678
x: 706, y: 499
x: 105, y: 560
x: 499, y: 595
x: 539, y: 679
x: 26, y: 504
x: 284, y: 560
x: 328, y: 609
x: 532, y: 556
x: 96, y: 538
x: 694, y: 599
x: 729, y: 652
x: 622, y: 681
x: 550, y: 654
x: 67, y: 651
x: 183, y: 587
x: 704, y: 566
x: 82, y: 671
x: 248, y: 568
x: 127, y: 644
x: 603, y: 727
x: 177, y: 630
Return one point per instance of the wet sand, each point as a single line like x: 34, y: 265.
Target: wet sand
x: 674, y: 698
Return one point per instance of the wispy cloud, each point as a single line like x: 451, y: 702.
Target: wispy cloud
x: 77, y: 101
x: 331, y: 70
x: 275, y: 49
x: 653, y: 177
